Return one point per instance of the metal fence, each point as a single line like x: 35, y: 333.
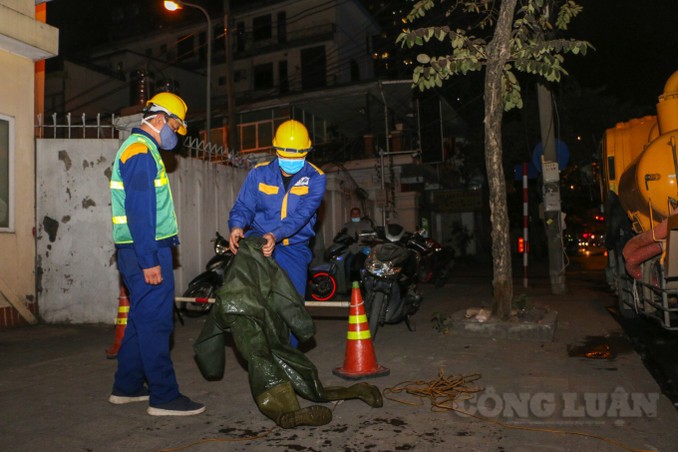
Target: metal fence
x: 54, y: 127
x: 70, y: 129
x: 202, y: 150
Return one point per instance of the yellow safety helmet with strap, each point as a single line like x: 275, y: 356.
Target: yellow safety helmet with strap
x: 291, y: 140
x: 171, y: 104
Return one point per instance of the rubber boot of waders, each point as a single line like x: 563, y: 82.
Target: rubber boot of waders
x: 366, y: 392
x: 280, y: 404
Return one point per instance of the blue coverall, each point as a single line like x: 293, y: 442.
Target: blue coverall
x: 144, y: 353
x: 265, y: 206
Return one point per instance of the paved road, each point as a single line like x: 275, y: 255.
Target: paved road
x: 54, y: 382
x: 656, y: 346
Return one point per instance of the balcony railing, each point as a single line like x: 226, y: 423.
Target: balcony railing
x: 244, y: 43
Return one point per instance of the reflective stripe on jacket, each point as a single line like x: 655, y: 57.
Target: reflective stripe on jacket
x: 166, y: 220
x: 264, y: 204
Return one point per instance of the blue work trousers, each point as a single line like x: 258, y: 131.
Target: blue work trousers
x: 294, y: 259
x: 144, y: 353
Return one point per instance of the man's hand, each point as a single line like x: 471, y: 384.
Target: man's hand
x: 268, y: 247
x: 153, y: 275
x: 234, y: 238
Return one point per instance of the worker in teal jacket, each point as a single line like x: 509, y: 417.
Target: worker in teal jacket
x: 144, y: 231
x: 279, y: 202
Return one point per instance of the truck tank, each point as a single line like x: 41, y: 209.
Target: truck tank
x: 640, y: 162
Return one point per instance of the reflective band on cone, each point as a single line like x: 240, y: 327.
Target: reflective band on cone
x: 360, y: 361
x: 120, y: 323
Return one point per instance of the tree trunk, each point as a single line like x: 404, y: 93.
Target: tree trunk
x: 498, y: 54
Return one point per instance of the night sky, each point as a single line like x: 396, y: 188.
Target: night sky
x: 636, y: 41
x: 636, y: 47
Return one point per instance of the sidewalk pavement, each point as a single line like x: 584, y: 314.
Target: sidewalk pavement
x: 55, y: 381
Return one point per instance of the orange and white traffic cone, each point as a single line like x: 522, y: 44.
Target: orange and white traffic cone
x: 360, y: 360
x: 120, y: 323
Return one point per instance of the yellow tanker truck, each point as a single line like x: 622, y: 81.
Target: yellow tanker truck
x: 639, y: 166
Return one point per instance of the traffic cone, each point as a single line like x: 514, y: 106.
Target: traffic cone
x: 120, y: 323
x: 360, y: 361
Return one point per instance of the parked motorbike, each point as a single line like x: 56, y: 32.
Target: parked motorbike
x: 437, y: 260
x: 206, y: 283
x: 342, y: 263
x: 390, y: 281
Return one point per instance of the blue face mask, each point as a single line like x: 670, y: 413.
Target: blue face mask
x: 291, y: 166
x: 355, y: 219
x: 168, y: 139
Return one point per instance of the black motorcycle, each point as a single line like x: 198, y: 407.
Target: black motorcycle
x: 342, y: 265
x: 437, y: 260
x: 390, y: 282
x: 206, y: 283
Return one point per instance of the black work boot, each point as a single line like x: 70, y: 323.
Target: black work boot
x: 280, y: 404
x: 366, y: 392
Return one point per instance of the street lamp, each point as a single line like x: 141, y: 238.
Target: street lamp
x: 173, y: 5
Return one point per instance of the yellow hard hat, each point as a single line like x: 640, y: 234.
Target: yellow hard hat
x: 171, y: 104
x: 291, y: 140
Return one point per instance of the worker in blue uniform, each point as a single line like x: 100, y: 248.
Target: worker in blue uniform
x: 279, y: 201
x: 144, y: 231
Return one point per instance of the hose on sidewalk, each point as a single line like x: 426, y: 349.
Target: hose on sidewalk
x: 445, y: 392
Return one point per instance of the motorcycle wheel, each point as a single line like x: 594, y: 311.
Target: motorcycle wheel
x: 443, y: 275
x: 323, y: 286
x: 374, y: 313
x: 202, y: 289
x: 425, y: 274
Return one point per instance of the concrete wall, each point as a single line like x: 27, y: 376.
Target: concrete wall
x: 78, y: 277
x: 77, y: 272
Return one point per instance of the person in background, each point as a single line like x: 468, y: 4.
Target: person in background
x: 279, y: 201
x: 356, y: 225
x: 144, y: 231
x: 357, y: 249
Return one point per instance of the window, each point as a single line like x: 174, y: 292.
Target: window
x: 185, y: 47
x: 240, y: 75
x: 283, y: 82
x: 313, y: 68
x: 355, y: 71
x: 282, y: 27
x: 6, y: 173
x: 263, y: 76
x: 261, y: 28
x: 202, y: 46
x: 240, y: 37
x: 219, y: 40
